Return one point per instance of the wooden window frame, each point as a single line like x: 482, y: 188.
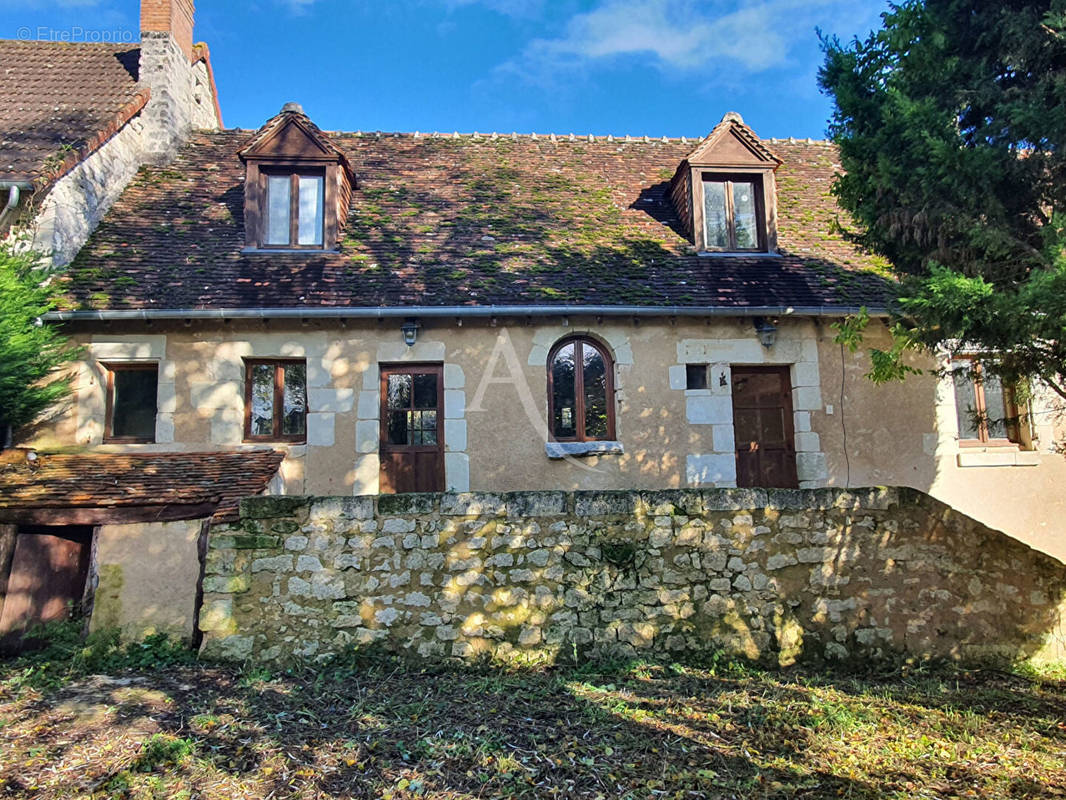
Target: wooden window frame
x: 279, y: 400
x: 579, y: 390
x: 109, y: 402
x: 412, y: 368
x: 974, y: 373
x: 294, y: 173
x: 729, y: 178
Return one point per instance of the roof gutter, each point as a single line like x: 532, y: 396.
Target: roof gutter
x: 433, y: 312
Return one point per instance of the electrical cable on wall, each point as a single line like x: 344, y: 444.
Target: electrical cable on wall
x: 843, y: 426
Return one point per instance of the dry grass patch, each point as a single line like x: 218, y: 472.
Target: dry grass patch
x: 380, y: 728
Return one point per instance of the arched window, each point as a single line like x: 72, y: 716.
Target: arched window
x: 580, y: 391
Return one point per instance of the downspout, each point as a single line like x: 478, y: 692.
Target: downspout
x: 14, y: 192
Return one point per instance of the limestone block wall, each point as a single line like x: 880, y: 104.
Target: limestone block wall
x: 181, y: 95
x: 78, y: 201
x: 775, y: 575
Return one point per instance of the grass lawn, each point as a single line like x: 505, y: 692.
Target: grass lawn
x: 377, y: 728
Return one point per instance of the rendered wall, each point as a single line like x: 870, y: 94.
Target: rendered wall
x: 147, y: 575
x: 775, y: 576
x: 495, y: 398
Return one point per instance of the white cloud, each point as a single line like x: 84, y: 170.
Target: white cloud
x: 510, y: 8
x: 298, y: 6
x: 730, y: 36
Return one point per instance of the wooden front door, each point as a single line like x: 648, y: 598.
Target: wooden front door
x: 762, y: 424
x: 47, y: 579
x: 412, y: 428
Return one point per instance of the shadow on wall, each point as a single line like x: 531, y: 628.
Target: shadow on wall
x: 772, y: 576
x: 915, y: 445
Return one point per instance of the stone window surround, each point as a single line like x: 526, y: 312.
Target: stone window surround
x: 714, y: 406
x: 91, y: 386
x: 368, y: 416
x: 619, y: 350
x: 948, y: 443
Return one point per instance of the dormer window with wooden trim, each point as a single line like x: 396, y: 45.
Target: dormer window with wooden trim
x: 725, y: 194
x: 733, y: 212
x: 297, y: 186
x: 295, y: 202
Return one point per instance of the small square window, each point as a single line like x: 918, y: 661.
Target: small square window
x: 131, y: 402
x: 696, y: 376
x: 275, y: 396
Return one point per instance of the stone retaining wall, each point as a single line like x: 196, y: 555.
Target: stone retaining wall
x: 770, y: 575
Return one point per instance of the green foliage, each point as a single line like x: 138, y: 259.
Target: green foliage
x: 162, y: 750
x: 63, y: 654
x: 951, y: 123
x: 886, y: 365
x: 31, y: 354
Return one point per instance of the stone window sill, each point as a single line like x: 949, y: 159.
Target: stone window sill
x: 998, y: 457
x: 581, y: 449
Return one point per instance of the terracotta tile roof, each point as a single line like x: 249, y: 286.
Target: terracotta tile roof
x: 59, y: 98
x: 470, y: 220
x: 109, y: 480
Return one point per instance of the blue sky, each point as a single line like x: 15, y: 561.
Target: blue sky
x: 640, y: 67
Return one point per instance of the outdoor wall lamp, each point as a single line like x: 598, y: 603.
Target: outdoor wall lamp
x: 410, y: 332
x: 765, y: 330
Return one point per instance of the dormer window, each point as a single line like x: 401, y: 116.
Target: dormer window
x: 724, y: 191
x: 733, y: 212
x: 295, y: 209
x: 297, y: 186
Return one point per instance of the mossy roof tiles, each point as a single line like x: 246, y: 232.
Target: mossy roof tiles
x: 470, y: 220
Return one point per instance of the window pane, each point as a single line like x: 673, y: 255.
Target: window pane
x: 399, y: 427
x: 423, y: 427
x: 745, y: 221
x: 399, y: 391
x: 294, y: 404
x: 563, y: 422
x: 312, y: 191
x: 595, y: 379
x: 133, y: 406
x: 995, y: 406
x: 714, y: 214
x: 696, y: 376
x: 425, y: 390
x: 966, y: 404
x: 262, y: 413
x: 278, y: 209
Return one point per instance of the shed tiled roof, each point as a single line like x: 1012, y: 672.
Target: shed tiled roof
x: 111, y: 480
x: 470, y: 220
x: 61, y: 98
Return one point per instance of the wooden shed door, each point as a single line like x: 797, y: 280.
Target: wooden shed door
x: 412, y: 428
x: 762, y: 423
x: 48, y: 573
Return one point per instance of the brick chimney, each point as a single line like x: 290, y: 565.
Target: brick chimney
x: 169, y: 16
x: 182, y: 94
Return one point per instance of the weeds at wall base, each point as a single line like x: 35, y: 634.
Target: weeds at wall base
x: 62, y: 653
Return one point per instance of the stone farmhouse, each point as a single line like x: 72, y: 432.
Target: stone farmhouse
x: 303, y: 312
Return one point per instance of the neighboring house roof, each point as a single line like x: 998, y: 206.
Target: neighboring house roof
x: 123, y: 480
x: 59, y: 101
x: 442, y: 220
